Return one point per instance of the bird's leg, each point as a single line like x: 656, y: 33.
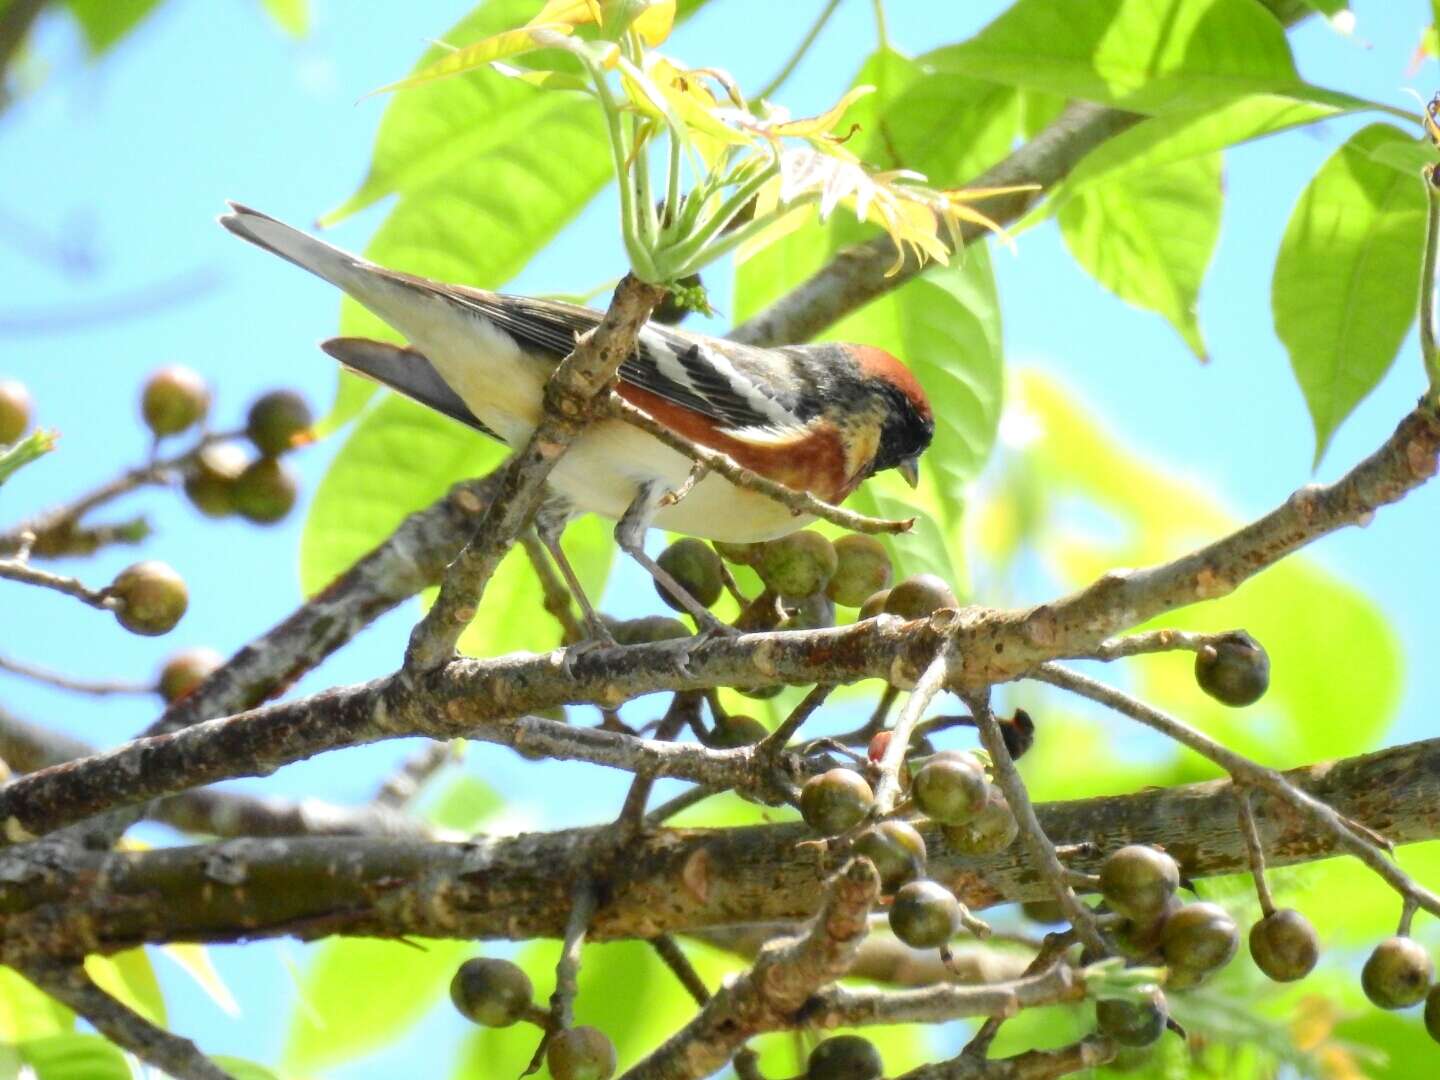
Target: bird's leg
x: 550, y: 521
x: 630, y: 535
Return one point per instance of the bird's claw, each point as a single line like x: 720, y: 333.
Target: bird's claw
x: 600, y: 638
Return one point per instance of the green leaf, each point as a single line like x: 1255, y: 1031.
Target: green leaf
x: 292, y: 16
x: 104, y: 22
x: 1143, y: 55
x: 1347, y: 278
x: 1176, y: 137
x: 129, y: 977
x: 364, y: 994
x: 195, y: 961
x: 26, y: 1012
x: 74, y: 1057
x: 31, y: 448
x: 1149, y: 236
x: 1316, y: 707
x: 400, y: 458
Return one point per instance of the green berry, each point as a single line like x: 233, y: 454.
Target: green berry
x: 266, y: 491
x: 1234, y: 670
x: 896, y: 849
x: 798, y: 565
x: 490, y: 992
x: 1132, y: 1025
x: 1284, y: 945
x: 1045, y: 912
x: 951, y: 788
x: 210, y: 478
x: 1397, y: 974
x: 924, y: 914
x: 1199, y: 938
x: 685, y: 296
x: 862, y: 568
x: 15, y: 407
x: 185, y: 670
x: 1140, y: 940
x: 152, y: 598
x: 845, y: 1057
x: 581, y: 1053
x: 174, y: 398
x: 919, y: 597
x: 990, y: 831
x: 835, y: 801
x: 1432, y: 1014
x: 737, y: 729
x: 739, y: 554
x: 1137, y: 880
x: 645, y: 630
x: 276, y: 420
x: 813, y: 613
x: 874, y: 605
x: 696, y: 568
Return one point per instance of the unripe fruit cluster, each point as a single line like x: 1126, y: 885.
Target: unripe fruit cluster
x: 222, y: 479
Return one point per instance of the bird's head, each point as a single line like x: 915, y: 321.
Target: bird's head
x: 906, y: 421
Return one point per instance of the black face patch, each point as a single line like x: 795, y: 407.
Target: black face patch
x: 904, y: 434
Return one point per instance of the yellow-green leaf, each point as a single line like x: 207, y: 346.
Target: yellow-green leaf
x: 1347, y: 278
x: 1148, y: 237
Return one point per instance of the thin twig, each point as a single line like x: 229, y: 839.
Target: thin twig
x: 1153, y: 641
x: 94, y: 687
x: 843, y: 1006
x: 675, y: 959
x: 1254, y: 850
x: 400, y: 789
x: 1249, y: 773
x: 774, y: 744
x: 887, y: 788
x: 583, y: 900
x: 801, y: 502
x: 176, y: 1056
x: 1429, y: 352
x: 1089, y: 1052
x: 1051, y: 952
x: 680, y: 803
x: 684, y: 711
x: 15, y: 570
x: 1042, y: 852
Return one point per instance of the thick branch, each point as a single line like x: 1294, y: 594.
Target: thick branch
x: 665, y: 881
x: 767, y: 997
x: 122, y: 1025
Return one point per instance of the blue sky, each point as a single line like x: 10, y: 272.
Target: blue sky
x: 208, y: 101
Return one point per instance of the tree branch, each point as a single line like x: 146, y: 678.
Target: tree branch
x: 767, y: 996
x: 663, y: 881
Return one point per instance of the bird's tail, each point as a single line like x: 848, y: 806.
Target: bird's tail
x: 321, y: 259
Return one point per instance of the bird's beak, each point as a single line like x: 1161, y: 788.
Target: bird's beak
x: 909, y: 468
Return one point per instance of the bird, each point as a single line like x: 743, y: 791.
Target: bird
x: 817, y: 418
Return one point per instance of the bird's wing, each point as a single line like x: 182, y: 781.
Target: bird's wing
x: 719, y: 380
x: 406, y: 371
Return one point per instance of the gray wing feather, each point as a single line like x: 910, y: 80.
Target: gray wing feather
x: 406, y: 371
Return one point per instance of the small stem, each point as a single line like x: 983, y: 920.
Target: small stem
x: 774, y: 743
x: 882, y: 29
x: 98, y: 688
x: 685, y: 257
x: 1254, y: 851
x: 887, y: 790
x: 1154, y: 641
x: 15, y: 570
x: 557, y: 596
x: 1052, y: 951
x: 676, y: 960
x: 682, y: 802
x: 799, y: 54
x: 1428, y: 349
x: 1042, y: 852
x: 567, y: 968
x: 1407, y: 916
